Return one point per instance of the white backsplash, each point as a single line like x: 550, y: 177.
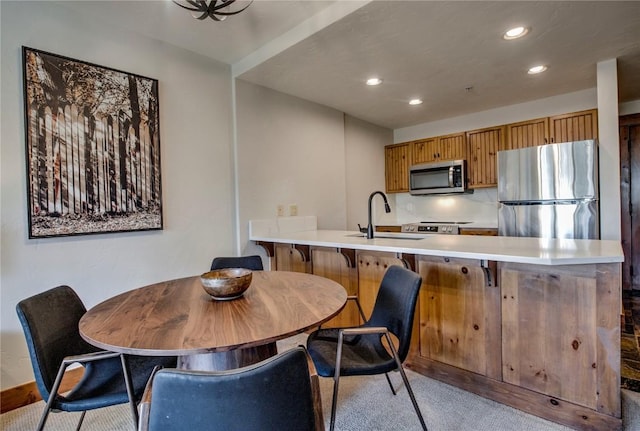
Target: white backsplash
x: 480, y: 208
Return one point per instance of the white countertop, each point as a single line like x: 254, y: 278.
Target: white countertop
x: 537, y: 251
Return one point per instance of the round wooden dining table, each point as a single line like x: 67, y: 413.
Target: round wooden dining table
x: 178, y: 318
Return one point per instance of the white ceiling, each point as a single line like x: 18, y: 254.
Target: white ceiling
x: 323, y: 51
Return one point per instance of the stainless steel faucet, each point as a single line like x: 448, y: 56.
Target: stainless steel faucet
x: 387, y: 209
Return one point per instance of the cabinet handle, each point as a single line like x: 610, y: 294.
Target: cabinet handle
x: 545, y: 140
x: 552, y: 140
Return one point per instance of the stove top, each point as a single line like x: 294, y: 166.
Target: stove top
x: 434, y: 227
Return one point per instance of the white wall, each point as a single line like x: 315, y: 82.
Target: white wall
x: 294, y: 151
x: 609, y: 150
x: 290, y: 151
x: 197, y: 178
x: 365, y: 171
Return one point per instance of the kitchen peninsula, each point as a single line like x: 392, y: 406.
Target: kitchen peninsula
x: 528, y: 322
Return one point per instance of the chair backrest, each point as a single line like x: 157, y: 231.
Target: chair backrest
x: 253, y: 263
x: 274, y: 394
x: 50, y: 324
x: 395, y: 305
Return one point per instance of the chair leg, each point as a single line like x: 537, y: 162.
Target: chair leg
x: 406, y: 383
x: 130, y: 392
x: 336, y: 380
x: 81, y: 420
x: 390, y: 384
x: 334, y: 403
x: 43, y: 418
x: 52, y: 397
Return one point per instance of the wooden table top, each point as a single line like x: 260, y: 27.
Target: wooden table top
x: 178, y: 317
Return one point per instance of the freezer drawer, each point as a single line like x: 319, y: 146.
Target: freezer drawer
x: 575, y: 219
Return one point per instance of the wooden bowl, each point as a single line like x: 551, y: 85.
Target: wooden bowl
x: 226, y: 284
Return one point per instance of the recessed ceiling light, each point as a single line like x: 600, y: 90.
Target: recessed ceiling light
x: 374, y: 81
x: 537, y: 69
x: 415, y: 101
x: 515, y: 33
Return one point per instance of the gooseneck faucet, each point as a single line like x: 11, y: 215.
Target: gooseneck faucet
x: 387, y: 209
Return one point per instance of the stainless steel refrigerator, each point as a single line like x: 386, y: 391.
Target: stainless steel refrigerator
x: 549, y: 191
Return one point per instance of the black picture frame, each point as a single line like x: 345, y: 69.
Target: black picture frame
x: 92, y: 148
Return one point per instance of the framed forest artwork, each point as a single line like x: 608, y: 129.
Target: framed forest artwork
x: 92, y: 148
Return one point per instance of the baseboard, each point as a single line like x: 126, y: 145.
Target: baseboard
x: 25, y: 394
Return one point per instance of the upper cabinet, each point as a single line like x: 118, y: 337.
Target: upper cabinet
x: 576, y: 126
x: 482, y: 152
x: 440, y: 148
x: 425, y: 150
x: 397, y: 162
x: 527, y: 134
x: 480, y: 147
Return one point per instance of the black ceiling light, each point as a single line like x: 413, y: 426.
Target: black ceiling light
x: 217, y: 10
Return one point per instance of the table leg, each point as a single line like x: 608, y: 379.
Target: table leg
x: 229, y: 360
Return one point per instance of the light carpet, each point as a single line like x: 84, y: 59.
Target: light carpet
x: 365, y: 403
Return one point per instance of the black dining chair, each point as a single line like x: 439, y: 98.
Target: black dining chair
x: 278, y: 393
x: 50, y: 323
x: 359, y: 351
x: 253, y: 263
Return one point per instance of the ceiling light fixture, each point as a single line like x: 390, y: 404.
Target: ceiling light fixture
x: 374, y: 81
x: 217, y: 10
x: 415, y: 102
x: 537, y: 69
x: 515, y: 33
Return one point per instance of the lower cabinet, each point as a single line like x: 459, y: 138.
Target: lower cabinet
x: 559, y: 325
x: 292, y: 257
x: 371, y: 268
x: 459, y: 315
x: 544, y: 339
x: 339, y: 265
x: 479, y: 231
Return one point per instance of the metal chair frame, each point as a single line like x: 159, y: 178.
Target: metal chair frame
x: 367, y: 330
x: 83, y: 359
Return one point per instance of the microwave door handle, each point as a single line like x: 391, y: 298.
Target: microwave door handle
x: 451, y: 169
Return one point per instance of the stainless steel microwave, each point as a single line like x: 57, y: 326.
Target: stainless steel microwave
x: 438, y: 178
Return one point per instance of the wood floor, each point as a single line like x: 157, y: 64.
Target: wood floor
x: 630, y: 343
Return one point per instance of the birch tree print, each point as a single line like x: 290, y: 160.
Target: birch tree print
x: 93, y: 148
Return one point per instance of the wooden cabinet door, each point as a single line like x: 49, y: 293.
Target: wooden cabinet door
x: 371, y: 268
x: 478, y: 231
x: 440, y: 148
x: 527, y: 134
x: 452, y: 147
x: 331, y: 263
x: 576, y: 126
x: 425, y: 150
x: 482, y: 150
x: 459, y: 315
x: 290, y: 257
x: 397, y: 161
x: 561, y: 332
